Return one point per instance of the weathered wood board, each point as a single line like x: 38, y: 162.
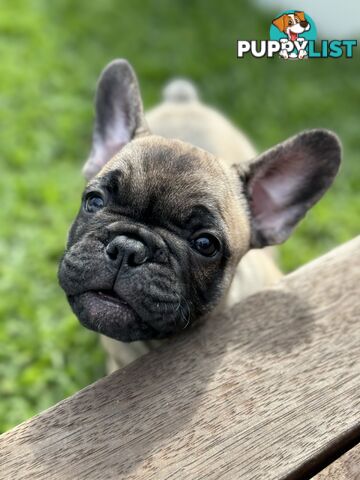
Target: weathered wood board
x: 269, y: 391
x: 347, y: 467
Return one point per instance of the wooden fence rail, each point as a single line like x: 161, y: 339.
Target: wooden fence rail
x: 269, y: 391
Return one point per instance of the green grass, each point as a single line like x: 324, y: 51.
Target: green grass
x: 51, y: 54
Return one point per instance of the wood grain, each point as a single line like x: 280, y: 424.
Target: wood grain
x: 346, y: 467
x: 269, y: 391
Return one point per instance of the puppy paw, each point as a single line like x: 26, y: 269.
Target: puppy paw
x: 284, y: 54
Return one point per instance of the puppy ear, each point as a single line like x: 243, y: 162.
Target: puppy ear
x: 279, y: 23
x: 284, y: 182
x: 119, y: 115
x: 301, y: 16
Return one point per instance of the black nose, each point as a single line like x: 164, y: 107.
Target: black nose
x: 126, y: 252
x: 304, y: 23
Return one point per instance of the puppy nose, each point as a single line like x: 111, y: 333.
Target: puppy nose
x: 304, y: 23
x: 125, y: 251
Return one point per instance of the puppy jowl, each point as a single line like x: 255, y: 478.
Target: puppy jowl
x: 164, y: 227
x: 293, y: 36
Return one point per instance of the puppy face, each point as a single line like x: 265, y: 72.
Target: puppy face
x: 152, y: 246
x: 292, y: 24
x: 162, y: 224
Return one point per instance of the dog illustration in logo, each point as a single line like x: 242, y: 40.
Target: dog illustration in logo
x: 293, y: 25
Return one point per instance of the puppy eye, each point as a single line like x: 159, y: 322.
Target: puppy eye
x: 206, y: 244
x: 290, y: 23
x: 94, y: 202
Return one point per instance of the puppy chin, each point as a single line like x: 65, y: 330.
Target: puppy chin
x: 115, y: 318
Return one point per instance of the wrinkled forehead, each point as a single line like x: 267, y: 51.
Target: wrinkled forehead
x: 170, y: 173
x: 154, y: 157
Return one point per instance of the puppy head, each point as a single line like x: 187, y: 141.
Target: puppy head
x: 292, y: 23
x: 162, y: 224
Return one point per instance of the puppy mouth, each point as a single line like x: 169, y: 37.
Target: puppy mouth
x: 110, y: 296
x: 104, y: 311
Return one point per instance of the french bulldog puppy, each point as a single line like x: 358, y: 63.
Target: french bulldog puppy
x: 163, y: 234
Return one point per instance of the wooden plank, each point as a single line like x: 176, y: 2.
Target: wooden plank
x: 347, y: 467
x: 269, y: 391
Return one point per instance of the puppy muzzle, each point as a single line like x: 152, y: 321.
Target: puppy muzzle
x: 126, y: 285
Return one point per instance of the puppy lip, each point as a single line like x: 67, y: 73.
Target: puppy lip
x: 110, y: 296
x: 107, y: 314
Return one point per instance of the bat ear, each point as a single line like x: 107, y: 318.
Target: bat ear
x: 279, y: 23
x: 284, y: 182
x: 119, y: 115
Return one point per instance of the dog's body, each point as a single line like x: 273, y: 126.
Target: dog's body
x: 293, y: 25
x: 164, y: 224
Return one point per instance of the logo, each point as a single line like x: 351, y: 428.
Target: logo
x: 293, y: 37
x: 293, y: 30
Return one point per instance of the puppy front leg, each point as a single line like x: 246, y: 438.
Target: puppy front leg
x: 284, y: 54
x: 301, y: 46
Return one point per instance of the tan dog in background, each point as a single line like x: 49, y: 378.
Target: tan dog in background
x: 166, y: 223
